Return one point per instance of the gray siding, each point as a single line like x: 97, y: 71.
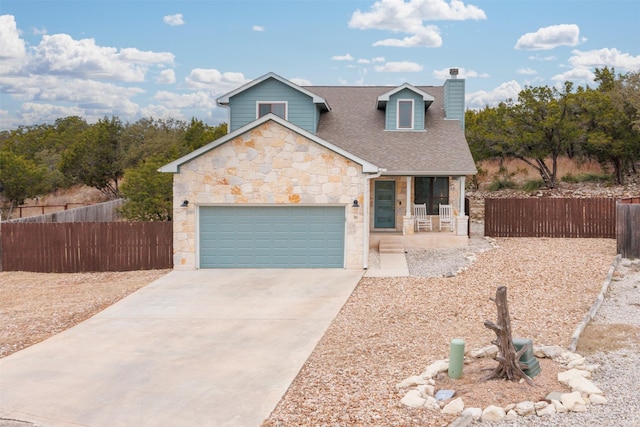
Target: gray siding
x: 300, y: 108
x: 392, y: 110
x: 454, y: 100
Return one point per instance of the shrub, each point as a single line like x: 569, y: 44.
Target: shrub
x: 587, y: 177
x: 533, y: 185
x: 501, y: 184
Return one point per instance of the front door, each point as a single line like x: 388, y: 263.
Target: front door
x: 384, y: 204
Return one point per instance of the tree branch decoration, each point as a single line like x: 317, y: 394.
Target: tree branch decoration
x: 509, y: 365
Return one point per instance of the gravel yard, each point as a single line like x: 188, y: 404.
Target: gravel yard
x: 392, y: 328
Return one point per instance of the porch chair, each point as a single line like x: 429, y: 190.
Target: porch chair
x: 446, y: 216
x: 421, y: 220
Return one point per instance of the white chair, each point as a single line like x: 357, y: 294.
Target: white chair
x: 446, y: 217
x: 421, y: 220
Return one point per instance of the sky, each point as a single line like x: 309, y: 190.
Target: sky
x: 136, y: 59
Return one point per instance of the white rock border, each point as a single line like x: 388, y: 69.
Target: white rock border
x: 577, y: 377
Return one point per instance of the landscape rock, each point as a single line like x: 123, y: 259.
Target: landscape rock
x: 454, y: 407
x: 565, y: 376
x: 584, y: 386
x: 489, y: 351
x: 492, y: 414
x: 435, y: 368
x: 411, y: 381
x: 475, y: 413
x: 573, y: 401
x: 546, y: 411
x: 526, y: 408
x: 559, y: 407
x: 431, y: 403
x: 426, y: 390
x: 413, y: 399
x: 597, y: 399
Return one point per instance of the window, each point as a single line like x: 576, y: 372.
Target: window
x: 405, y: 114
x: 277, y: 108
x: 431, y: 190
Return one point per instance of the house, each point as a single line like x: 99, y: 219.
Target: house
x: 312, y: 176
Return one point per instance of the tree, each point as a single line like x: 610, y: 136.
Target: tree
x: 199, y: 134
x: 608, y: 116
x: 19, y: 179
x: 96, y: 159
x: 543, y: 126
x: 148, y: 192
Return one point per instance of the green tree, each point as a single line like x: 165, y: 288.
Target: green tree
x: 199, y: 134
x: 607, y: 117
x: 96, y: 158
x: 148, y: 192
x: 543, y: 126
x: 20, y: 179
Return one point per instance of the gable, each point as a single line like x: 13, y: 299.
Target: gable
x: 417, y: 105
x: 301, y: 107
x: 174, y: 167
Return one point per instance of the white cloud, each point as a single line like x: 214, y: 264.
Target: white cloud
x: 13, y: 53
x: 258, y: 28
x: 166, y: 77
x: 583, y: 64
x: 428, y: 36
x: 214, y: 80
x: 300, y: 81
x: 463, y: 73
x: 190, y: 100
x: 346, y: 57
x: 408, y: 17
x: 550, y: 37
x: 480, y: 99
x: 173, y: 20
x: 543, y: 58
x: 399, y: 67
x: 605, y: 57
x: 378, y: 59
x: 39, y: 31
x: 161, y: 112
x: 527, y: 71
x: 59, y: 54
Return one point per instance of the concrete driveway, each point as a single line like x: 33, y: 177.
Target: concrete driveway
x: 196, y: 348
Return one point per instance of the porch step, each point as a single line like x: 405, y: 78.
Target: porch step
x: 391, y: 245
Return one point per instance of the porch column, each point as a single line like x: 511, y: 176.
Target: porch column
x: 409, y: 213
x: 462, y: 184
x: 462, y: 222
x: 407, y: 220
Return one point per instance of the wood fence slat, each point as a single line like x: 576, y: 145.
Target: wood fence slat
x: 89, y: 246
x: 551, y: 217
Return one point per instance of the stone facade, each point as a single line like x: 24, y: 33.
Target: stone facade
x: 268, y: 165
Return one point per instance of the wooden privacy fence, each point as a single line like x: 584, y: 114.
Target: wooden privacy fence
x: 86, y: 246
x: 628, y: 227
x: 550, y: 217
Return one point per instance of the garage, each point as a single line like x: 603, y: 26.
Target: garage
x: 271, y: 236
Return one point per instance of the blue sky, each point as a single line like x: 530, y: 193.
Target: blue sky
x: 161, y: 59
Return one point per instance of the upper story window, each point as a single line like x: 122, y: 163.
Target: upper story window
x: 405, y: 114
x: 277, y: 108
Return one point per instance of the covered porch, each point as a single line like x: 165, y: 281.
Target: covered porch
x: 393, y: 219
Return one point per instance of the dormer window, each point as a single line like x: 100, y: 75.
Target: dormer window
x: 277, y: 108
x: 405, y: 114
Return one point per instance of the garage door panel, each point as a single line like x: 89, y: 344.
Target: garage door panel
x: 271, y: 237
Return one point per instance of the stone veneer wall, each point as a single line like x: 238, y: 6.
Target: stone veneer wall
x: 268, y: 165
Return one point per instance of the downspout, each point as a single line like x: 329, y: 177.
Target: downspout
x: 367, y: 202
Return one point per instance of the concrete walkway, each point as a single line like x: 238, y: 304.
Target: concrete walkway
x: 199, y: 348
x: 391, y: 265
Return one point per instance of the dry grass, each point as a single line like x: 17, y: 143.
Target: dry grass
x: 607, y: 337
x: 523, y: 172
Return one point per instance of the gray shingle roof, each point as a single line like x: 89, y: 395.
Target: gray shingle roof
x: 356, y: 125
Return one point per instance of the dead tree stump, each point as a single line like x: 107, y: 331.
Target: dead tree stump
x: 509, y: 365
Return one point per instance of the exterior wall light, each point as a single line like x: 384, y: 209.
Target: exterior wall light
x: 184, y: 204
x: 355, y: 204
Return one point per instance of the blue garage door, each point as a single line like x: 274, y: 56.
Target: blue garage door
x: 271, y: 237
